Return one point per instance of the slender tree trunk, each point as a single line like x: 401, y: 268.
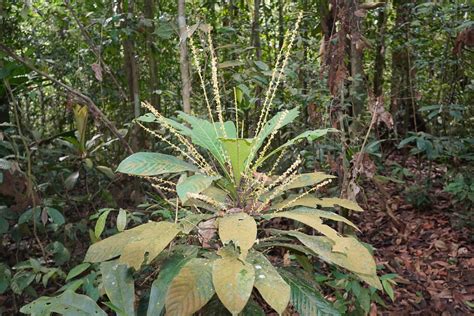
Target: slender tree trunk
x: 380, y: 54
x: 281, y: 24
x: 357, y: 87
x: 4, y: 103
x: 150, y: 38
x: 130, y: 64
x: 255, y: 37
x: 403, y: 103
x: 183, y: 58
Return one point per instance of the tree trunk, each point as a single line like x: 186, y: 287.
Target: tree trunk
x: 4, y: 104
x: 150, y: 38
x: 380, y: 54
x: 403, y: 103
x: 255, y: 36
x: 183, y: 57
x: 357, y: 87
x: 130, y: 65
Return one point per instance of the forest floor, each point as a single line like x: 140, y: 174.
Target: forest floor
x: 429, y: 248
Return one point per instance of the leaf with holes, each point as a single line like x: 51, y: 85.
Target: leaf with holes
x: 153, y: 164
x: 191, y: 289
x: 274, y: 290
x: 233, y: 281
x: 240, y: 228
x: 151, y: 241
x: 68, y: 303
x: 118, y: 285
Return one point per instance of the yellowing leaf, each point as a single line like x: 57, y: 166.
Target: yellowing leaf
x: 356, y: 257
x: 152, y: 241
x: 113, y: 246
x: 191, y: 289
x: 323, y: 214
x: 312, y: 220
x: 331, y: 202
x: 269, y: 283
x: 312, y: 201
x: 233, y: 281
x: 239, y: 228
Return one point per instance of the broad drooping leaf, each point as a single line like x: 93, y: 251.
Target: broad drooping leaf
x: 238, y: 150
x: 312, y: 220
x: 323, y: 214
x: 191, y: 289
x: 193, y: 184
x: 233, y: 281
x: 240, y: 228
x: 309, y: 135
x: 305, y: 298
x: 151, y: 242
x: 312, y: 201
x: 207, y: 134
x: 153, y: 164
x: 356, y: 258
x: 132, y: 244
x: 274, y: 290
x: 168, y: 271
x: 112, y: 247
x: 68, y: 303
x: 119, y: 286
x: 280, y: 120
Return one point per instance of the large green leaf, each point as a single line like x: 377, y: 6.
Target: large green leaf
x: 206, y: 135
x: 240, y: 228
x: 151, y: 241
x: 118, y: 285
x: 238, y: 150
x: 152, y: 164
x: 194, y: 184
x: 309, y: 135
x: 169, y: 270
x: 68, y: 304
x: 191, y: 289
x: 233, y: 281
x: 275, y: 291
x: 355, y: 258
x: 305, y: 298
x: 270, y: 126
x: 312, y: 201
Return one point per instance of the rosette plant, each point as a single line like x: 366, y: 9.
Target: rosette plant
x: 226, y: 203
